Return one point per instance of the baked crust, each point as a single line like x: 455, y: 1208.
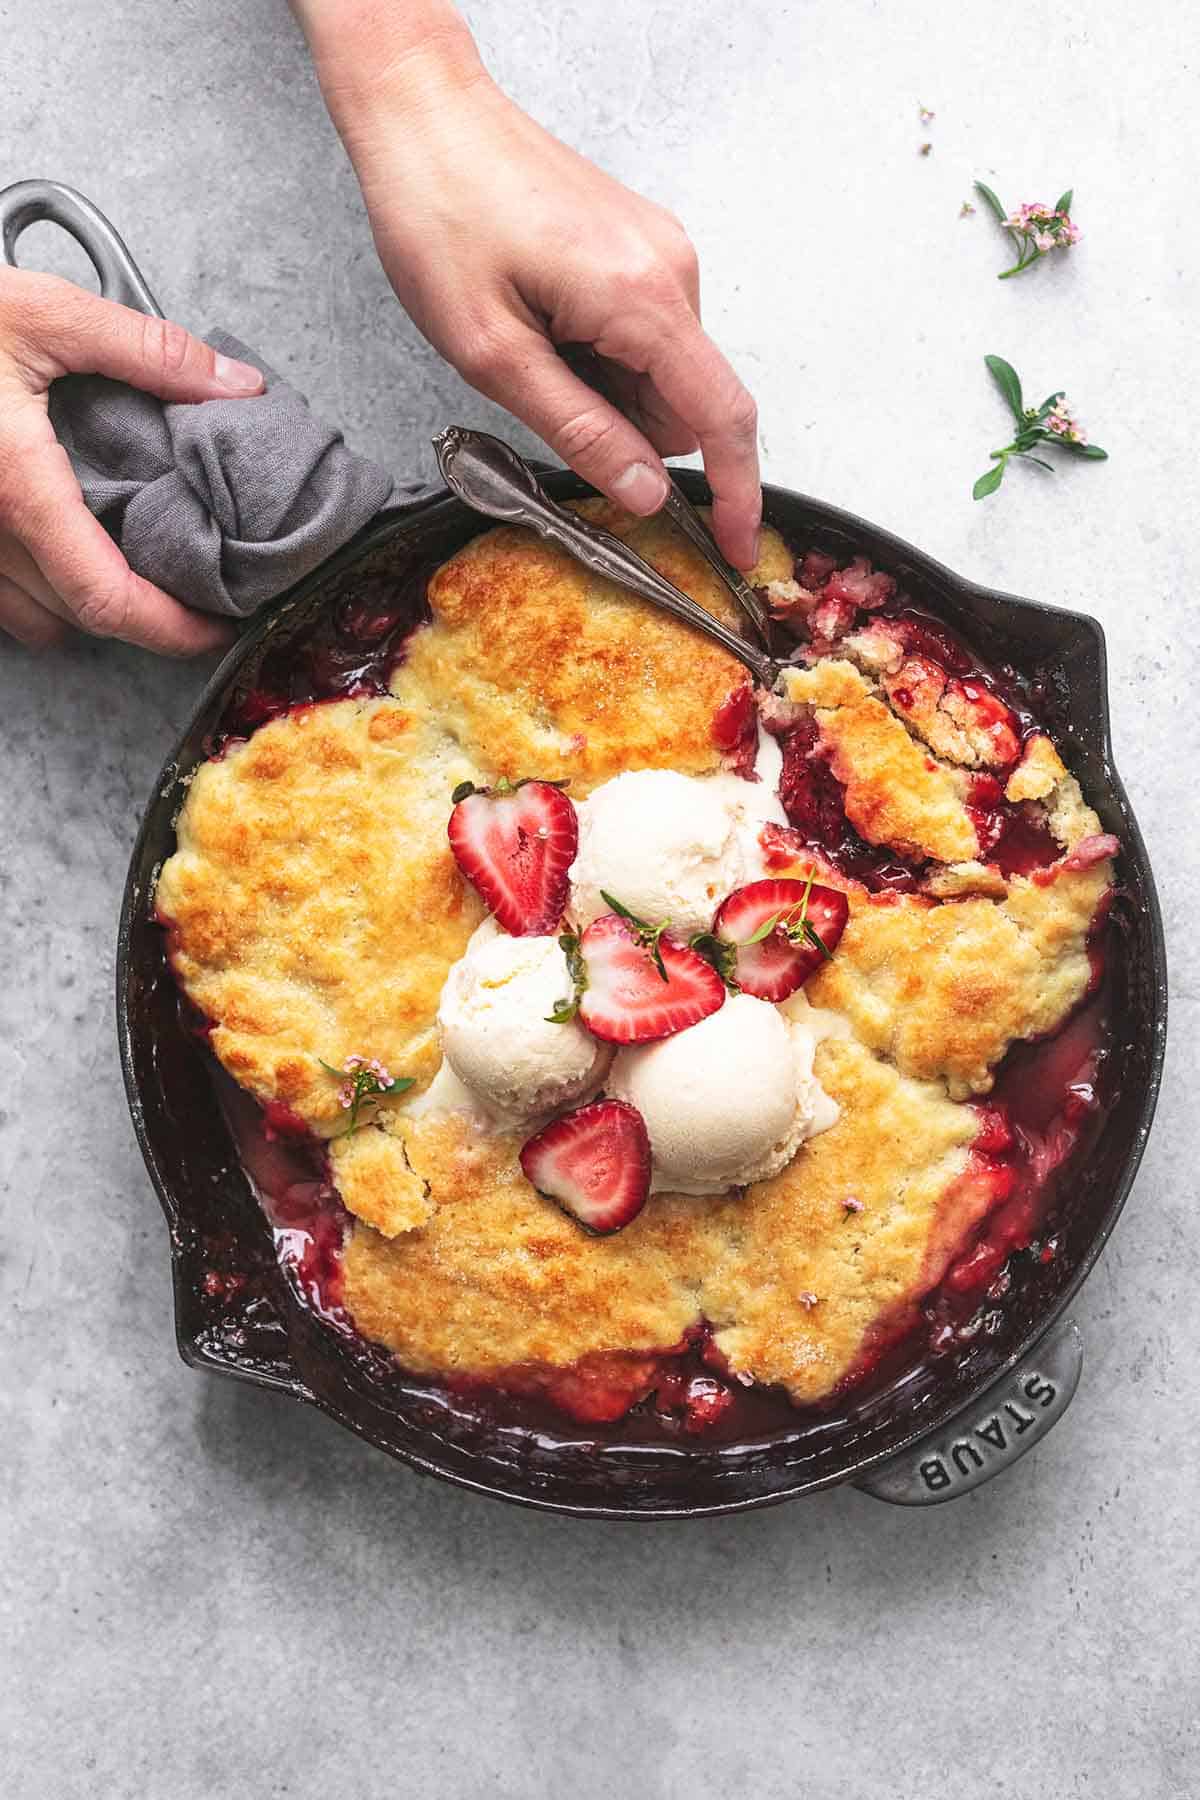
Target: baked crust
x: 313, y: 901
x: 499, y: 1276
x: 371, y: 1170
x: 538, y: 667
x: 943, y: 990
x: 896, y: 792
x: 806, y: 1279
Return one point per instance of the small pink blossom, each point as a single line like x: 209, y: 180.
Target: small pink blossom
x: 808, y: 1299
x: 852, y: 1203
x: 1062, y: 422
x: 346, y: 1095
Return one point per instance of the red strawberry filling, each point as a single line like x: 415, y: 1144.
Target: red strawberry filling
x: 352, y: 649
x: 735, y: 730
x: 636, y: 993
x: 515, y: 845
x: 1014, y: 836
x: 809, y: 792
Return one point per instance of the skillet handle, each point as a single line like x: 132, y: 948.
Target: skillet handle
x: 991, y: 1434
x: 120, y: 278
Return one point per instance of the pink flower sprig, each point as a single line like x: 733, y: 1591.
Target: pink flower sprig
x: 1052, y: 422
x: 363, y: 1082
x: 1037, y: 229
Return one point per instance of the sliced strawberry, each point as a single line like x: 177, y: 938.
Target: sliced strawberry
x: 772, y: 960
x: 642, y: 985
x: 515, y: 845
x: 594, y: 1163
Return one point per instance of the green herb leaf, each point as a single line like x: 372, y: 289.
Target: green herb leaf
x: 992, y: 200
x: 764, y: 931
x: 623, y: 912
x: 987, y: 484
x: 647, y: 935
x: 1009, y: 383
x: 814, y: 937
x: 566, y: 1008
x: 402, y: 1084
x: 1093, y: 452
x: 1039, y: 460
x: 1063, y: 203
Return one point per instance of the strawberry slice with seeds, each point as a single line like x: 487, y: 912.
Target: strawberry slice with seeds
x: 594, y: 1163
x: 779, y: 932
x: 642, y: 984
x: 515, y: 844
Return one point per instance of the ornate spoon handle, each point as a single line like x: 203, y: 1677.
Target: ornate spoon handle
x: 680, y: 508
x: 491, y: 478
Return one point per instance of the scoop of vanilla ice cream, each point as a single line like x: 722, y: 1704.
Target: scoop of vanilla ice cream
x: 496, y: 1033
x: 669, y: 846
x: 728, y: 1101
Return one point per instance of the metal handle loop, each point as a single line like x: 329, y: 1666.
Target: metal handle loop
x: 26, y: 202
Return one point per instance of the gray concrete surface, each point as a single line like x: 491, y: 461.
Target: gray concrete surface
x: 207, y: 1592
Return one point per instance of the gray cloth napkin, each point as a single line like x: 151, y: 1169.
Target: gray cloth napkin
x: 223, y: 504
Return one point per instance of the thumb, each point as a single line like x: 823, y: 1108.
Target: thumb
x: 69, y: 331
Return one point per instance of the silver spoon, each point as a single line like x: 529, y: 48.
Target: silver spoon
x: 491, y: 478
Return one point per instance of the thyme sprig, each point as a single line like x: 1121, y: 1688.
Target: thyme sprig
x: 794, y: 923
x: 566, y: 1008
x: 648, y: 936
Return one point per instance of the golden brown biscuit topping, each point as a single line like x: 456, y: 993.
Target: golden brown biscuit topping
x: 315, y: 910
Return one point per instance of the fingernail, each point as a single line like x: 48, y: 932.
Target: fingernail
x: 641, y: 488
x: 237, y: 377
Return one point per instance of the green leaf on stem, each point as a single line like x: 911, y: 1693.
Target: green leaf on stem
x: 1093, y: 452
x: 992, y: 200
x: 987, y: 484
x: 1009, y: 383
x: 566, y: 1008
x: 1063, y: 203
x: 647, y: 935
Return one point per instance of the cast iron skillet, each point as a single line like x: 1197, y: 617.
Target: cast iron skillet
x: 941, y: 1429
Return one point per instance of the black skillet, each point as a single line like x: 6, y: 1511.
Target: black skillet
x: 944, y: 1426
